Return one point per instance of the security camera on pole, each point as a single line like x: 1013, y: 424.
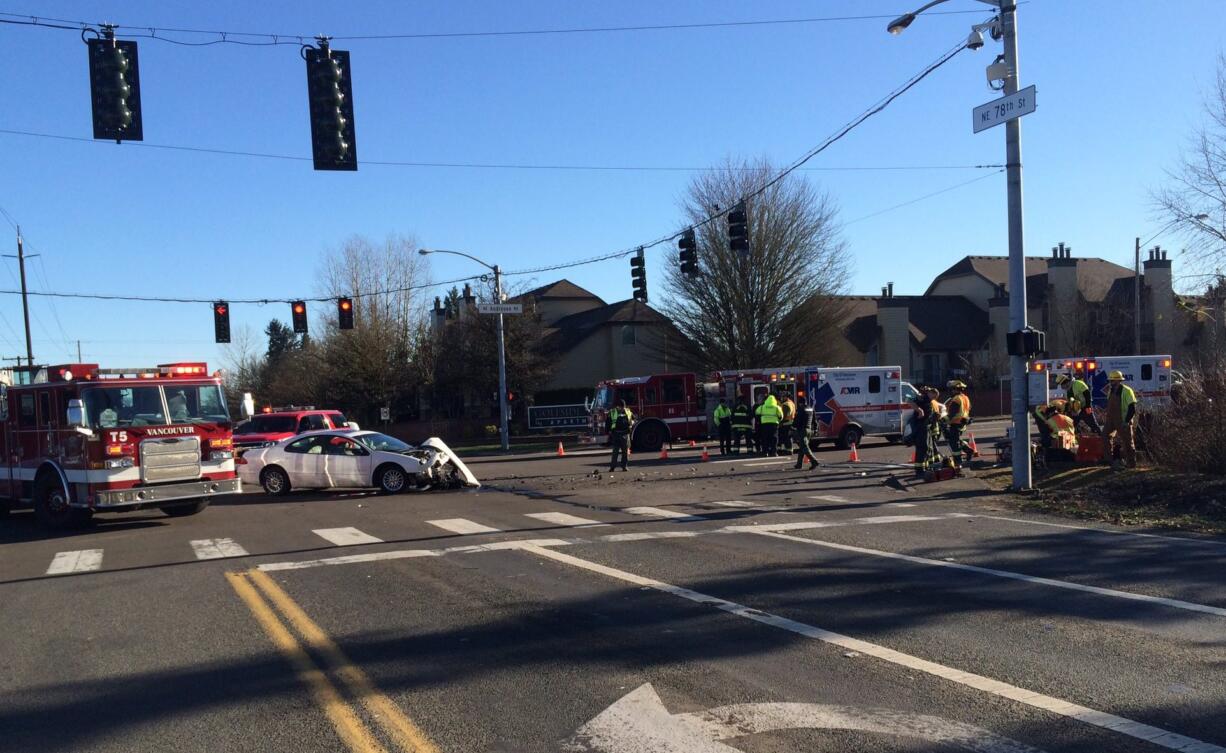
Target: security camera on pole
x: 1008, y: 110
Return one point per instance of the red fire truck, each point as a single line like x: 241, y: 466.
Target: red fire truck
x: 78, y: 439
x: 666, y: 407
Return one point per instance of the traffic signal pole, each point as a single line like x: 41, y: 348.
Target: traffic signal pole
x: 504, y: 429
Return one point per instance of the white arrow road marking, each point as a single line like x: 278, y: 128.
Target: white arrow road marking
x: 1122, y: 725
x: 345, y: 536
x: 80, y: 561
x: 657, y: 512
x: 564, y: 519
x: 461, y: 526
x: 215, y: 549
x: 1176, y: 603
x: 639, y: 721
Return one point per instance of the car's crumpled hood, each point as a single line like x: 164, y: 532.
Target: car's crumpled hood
x: 440, y: 446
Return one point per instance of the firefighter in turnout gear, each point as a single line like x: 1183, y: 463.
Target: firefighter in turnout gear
x: 1121, y: 419
x: 958, y: 417
x: 742, y: 427
x: 723, y: 424
x: 1077, y: 395
x: 802, y: 428
x: 769, y: 415
x: 788, y: 406
x: 621, y: 421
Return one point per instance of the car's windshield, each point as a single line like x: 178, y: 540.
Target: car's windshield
x: 195, y: 404
x: 383, y: 442
x: 604, y: 398
x: 111, y: 407
x: 270, y: 425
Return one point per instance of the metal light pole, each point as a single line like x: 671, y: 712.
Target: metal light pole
x: 503, y: 427
x: 1017, y: 253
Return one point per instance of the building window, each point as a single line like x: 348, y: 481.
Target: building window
x: 628, y: 334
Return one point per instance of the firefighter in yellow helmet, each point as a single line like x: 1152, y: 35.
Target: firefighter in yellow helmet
x: 1121, y: 419
x: 957, y: 418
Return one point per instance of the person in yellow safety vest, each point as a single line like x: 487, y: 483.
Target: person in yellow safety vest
x: 788, y: 406
x: 1121, y: 419
x: 1040, y: 420
x: 723, y: 424
x: 769, y: 415
x: 957, y: 418
x: 742, y: 427
x: 621, y: 420
x: 1077, y: 394
x: 1057, y: 428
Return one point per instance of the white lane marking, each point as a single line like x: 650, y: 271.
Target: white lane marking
x: 811, y: 524
x: 462, y: 526
x: 565, y: 519
x: 353, y: 559
x: 1090, y: 716
x: 650, y: 535
x: 829, y: 498
x: 899, y: 504
x: 215, y: 549
x: 79, y: 561
x: 751, y: 461
x: 345, y: 536
x: 657, y: 512
x: 1161, y: 601
x: 1180, y: 539
x: 734, y: 503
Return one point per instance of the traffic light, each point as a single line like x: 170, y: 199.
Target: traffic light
x: 298, y: 314
x: 344, y: 313
x: 221, y: 322
x: 738, y: 229
x: 333, y: 142
x: 688, y: 246
x: 114, y: 86
x: 638, y: 276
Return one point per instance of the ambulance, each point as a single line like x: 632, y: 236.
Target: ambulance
x: 1149, y: 376
x: 849, y: 403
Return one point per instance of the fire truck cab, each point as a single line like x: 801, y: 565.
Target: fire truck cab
x: 78, y: 439
x: 666, y: 408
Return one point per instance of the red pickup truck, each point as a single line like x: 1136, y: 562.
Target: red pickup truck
x: 266, y: 429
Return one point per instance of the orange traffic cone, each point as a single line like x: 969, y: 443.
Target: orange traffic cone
x: 705, y: 455
x: 912, y: 455
x: 664, y: 452
x: 561, y: 452
x: 974, y: 447
x: 855, y: 456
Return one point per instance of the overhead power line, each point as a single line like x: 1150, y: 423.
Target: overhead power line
x: 269, y: 39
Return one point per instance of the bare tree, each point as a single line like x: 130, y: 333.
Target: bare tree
x: 1195, y: 199
x: 772, y: 304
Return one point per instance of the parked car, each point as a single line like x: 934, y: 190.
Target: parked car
x: 266, y: 429
x: 353, y: 459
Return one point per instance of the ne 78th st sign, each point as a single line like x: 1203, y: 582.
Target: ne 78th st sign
x: 500, y: 308
x: 1004, y: 109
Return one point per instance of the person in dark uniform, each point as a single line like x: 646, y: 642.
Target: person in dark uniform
x: 802, y: 427
x: 723, y: 424
x: 620, y: 422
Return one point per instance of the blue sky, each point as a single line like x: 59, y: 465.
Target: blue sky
x: 1120, y: 85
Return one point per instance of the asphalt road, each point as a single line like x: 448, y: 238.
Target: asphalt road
x: 681, y: 607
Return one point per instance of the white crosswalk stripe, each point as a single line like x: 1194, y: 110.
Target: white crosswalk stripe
x: 734, y: 503
x: 79, y: 561
x: 215, y: 549
x: 345, y: 536
x: 829, y: 498
x: 565, y: 519
x: 461, y: 526
x: 656, y: 512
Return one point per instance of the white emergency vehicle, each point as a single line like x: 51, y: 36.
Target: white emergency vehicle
x: 1149, y: 376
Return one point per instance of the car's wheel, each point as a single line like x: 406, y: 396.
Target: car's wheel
x: 851, y: 435
x: 182, y: 511
x: 391, y: 479
x: 649, y: 437
x: 51, y: 505
x: 275, y: 481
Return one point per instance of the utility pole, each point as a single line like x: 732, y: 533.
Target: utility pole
x: 1136, y: 301
x: 1017, y: 254
x: 78, y: 351
x: 25, y: 298
x: 503, y: 428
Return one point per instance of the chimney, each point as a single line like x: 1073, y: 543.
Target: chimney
x: 1162, y: 316
x: 1063, y: 298
x: 890, y: 288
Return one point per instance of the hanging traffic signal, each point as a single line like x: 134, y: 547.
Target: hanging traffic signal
x: 638, y: 276
x: 688, y: 254
x: 114, y: 86
x: 738, y: 229
x: 344, y: 313
x: 330, y: 88
x: 298, y: 315
x: 221, y: 322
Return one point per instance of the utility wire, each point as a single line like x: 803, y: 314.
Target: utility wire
x: 489, y: 165
x: 266, y: 39
x: 922, y: 198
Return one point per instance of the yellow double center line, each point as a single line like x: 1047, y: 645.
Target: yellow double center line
x: 261, y: 594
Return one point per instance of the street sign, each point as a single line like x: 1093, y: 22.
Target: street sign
x: 573, y: 416
x: 1004, y: 109
x: 385, y: 414
x: 500, y: 308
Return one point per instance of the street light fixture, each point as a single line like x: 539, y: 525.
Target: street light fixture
x: 503, y: 428
x: 1004, y: 27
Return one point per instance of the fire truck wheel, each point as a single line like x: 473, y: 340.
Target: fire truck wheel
x: 649, y: 437
x: 51, y: 505
x: 391, y: 479
x: 182, y: 511
x: 851, y: 435
x: 275, y: 481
